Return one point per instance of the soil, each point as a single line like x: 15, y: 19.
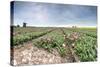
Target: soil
x: 28, y: 54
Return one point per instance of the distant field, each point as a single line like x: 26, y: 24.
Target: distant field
x: 83, y: 41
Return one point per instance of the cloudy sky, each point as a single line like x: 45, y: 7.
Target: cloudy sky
x: 44, y: 14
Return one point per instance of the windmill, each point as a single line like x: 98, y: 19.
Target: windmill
x: 24, y: 23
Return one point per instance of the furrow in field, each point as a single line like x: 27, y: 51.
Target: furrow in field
x: 69, y: 45
x: 20, y: 39
x: 31, y: 54
x: 86, y: 47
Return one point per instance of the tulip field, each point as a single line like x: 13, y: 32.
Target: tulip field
x: 79, y: 43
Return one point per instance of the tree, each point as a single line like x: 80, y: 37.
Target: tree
x: 18, y: 25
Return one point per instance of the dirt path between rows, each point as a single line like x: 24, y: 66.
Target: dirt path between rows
x: 28, y: 54
x: 31, y: 55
